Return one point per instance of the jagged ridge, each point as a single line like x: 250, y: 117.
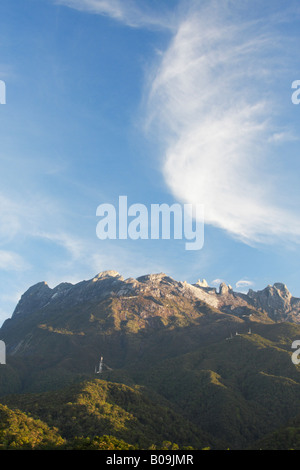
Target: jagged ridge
x: 276, y: 300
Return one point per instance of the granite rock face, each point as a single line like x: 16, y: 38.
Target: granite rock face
x: 275, y: 301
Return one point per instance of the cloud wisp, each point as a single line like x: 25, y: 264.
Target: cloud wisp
x: 132, y: 13
x: 211, y: 104
x: 243, y: 283
x: 11, y: 261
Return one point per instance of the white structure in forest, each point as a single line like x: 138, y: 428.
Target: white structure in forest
x: 100, y: 367
x: 2, y: 353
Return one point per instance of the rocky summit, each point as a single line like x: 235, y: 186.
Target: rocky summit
x: 275, y: 301
x: 153, y: 359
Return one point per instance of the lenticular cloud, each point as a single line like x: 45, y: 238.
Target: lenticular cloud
x: 209, y: 101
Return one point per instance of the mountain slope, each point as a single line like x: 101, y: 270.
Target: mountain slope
x: 64, y: 331
x: 216, y: 363
x: 17, y: 430
x: 98, y: 407
x: 241, y: 388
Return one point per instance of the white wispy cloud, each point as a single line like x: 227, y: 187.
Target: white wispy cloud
x: 217, y: 282
x: 283, y: 136
x: 132, y: 13
x: 22, y: 215
x: 35, y: 218
x: 75, y: 246
x: 11, y: 261
x: 243, y: 283
x: 211, y: 104
x: 10, y: 216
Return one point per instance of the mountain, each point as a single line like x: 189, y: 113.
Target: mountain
x: 214, y: 362
x: 276, y: 301
x: 17, y: 430
x: 63, y: 332
x: 98, y: 407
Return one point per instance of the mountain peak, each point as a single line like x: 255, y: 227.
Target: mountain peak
x: 276, y: 301
x: 106, y: 275
x: 34, y: 298
x: 225, y: 289
x: 282, y: 288
x: 202, y: 283
x: 151, y: 277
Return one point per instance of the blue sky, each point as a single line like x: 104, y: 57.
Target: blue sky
x: 165, y: 102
